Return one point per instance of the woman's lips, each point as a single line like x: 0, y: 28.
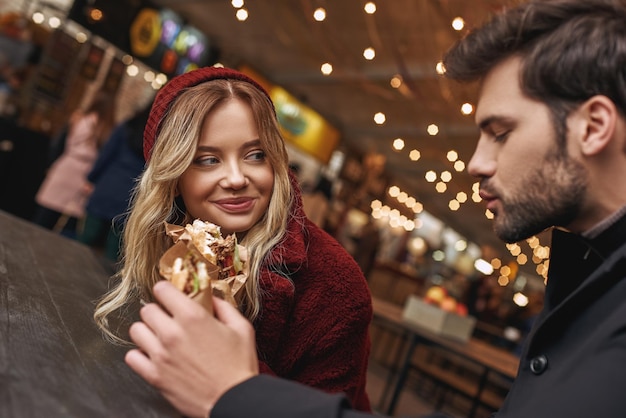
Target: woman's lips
x: 236, y: 205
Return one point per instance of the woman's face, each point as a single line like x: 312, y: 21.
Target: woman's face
x: 229, y: 182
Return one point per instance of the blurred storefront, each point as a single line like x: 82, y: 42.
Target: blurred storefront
x: 62, y: 52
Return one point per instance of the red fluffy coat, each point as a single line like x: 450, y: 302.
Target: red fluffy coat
x: 313, y: 327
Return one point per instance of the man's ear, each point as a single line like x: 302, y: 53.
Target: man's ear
x: 600, y: 116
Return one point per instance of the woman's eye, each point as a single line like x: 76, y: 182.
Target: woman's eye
x: 206, y: 160
x: 256, y: 155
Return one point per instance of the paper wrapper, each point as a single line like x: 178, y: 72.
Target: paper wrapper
x: 226, y: 289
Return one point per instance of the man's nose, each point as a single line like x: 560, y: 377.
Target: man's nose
x: 483, y: 161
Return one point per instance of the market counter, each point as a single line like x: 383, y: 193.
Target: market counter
x: 53, y: 359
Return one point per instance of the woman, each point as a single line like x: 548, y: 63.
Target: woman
x: 214, y: 152
x: 110, y: 184
x: 61, y: 198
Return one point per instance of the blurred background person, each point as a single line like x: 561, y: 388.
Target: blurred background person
x: 317, y: 201
x: 366, y: 246
x: 110, y: 184
x: 61, y: 197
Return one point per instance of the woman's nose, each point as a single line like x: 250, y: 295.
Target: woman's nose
x: 234, y: 177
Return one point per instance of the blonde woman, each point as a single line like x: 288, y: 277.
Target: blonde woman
x: 214, y: 152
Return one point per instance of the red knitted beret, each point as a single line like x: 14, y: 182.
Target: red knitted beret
x: 168, y: 94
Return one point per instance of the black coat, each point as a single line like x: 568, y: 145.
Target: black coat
x: 268, y: 396
x: 574, y: 362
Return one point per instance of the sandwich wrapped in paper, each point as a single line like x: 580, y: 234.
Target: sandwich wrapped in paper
x: 203, y: 262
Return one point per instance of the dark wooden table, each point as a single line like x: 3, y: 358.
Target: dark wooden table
x: 490, y: 358
x: 53, y: 359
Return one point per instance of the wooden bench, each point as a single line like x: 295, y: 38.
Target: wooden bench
x: 454, y: 374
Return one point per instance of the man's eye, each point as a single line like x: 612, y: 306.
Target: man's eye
x: 499, y: 137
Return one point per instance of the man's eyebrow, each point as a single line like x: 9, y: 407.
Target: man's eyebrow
x: 483, y: 124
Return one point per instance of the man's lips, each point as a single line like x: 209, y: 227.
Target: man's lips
x: 490, y: 199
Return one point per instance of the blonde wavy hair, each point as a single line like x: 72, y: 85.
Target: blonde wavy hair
x: 154, y: 202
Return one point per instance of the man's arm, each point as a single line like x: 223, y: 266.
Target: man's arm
x: 268, y: 396
x: 191, y: 357
x: 197, y: 360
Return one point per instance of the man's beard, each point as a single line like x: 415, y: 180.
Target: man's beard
x: 551, y: 196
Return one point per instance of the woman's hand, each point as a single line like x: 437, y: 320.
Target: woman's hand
x: 191, y: 357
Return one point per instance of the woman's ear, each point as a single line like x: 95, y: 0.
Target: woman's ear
x: 600, y: 117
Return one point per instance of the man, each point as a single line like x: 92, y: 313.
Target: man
x: 551, y: 152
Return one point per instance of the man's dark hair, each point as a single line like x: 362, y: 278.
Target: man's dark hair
x: 571, y: 50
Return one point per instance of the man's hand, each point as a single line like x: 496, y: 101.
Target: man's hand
x: 187, y: 354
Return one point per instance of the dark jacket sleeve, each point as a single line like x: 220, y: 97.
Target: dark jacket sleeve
x: 268, y: 396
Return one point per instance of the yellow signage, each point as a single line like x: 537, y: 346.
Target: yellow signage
x: 299, y: 124
x: 145, y: 32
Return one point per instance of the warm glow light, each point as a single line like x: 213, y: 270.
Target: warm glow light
x: 459, y: 165
x: 132, y: 70
x: 441, y: 70
x: 467, y: 108
x: 38, y: 18
x: 319, y: 14
x: 476, y: 197
x: 127, y: 59
x: 458, y: 23
x: 396, y: 81
x: 483, y: 266
x: 496, y: 263
x: 441, y: 187
x: 410, y: 202
x: 417, y: 245
x: 520, y: 299
x: 398, y: 144
x: 522, y: 259
x: 161, y: 78
x: 488, y: 214
x: 446, y: 176
x: 505, y: 270
x: 149, y: 76
x: 452, y: 156
x: 370, y: 7
x: 380, y: 118
x: 454, y: 205
x: 461, y: 197
x: 242, y: 14
x: 369, y: 53
x: 430, y: 176
x: 402, y: 197
x: 418, y: 208
x: 503, y: 281
x: 394, y: 191
x: 376, y: 204
x: 439, y: 255
x: 414, y: 155
x: 81, y: 37
x: 54, y: 22
x: 95, y: 14
x: 432, y: 129
x: 237, y: 3
x: 460, y: 245
x: 327, y: 68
